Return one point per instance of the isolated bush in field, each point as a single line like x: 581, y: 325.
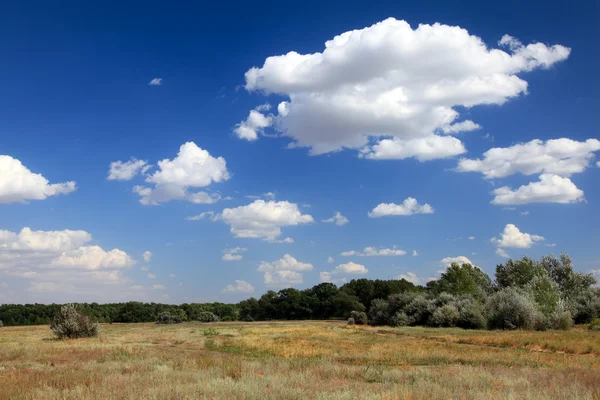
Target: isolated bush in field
x: 399, y: 319
x: 1, y: 323
x: 446, y: 315
x: 472, y: 314
x: 595, y: 325
x: 419, y: 310
x: 71, y: 324
x: 509, y: 309
x: 167, y: 318
x: 379, y: 312
x: 207, y: 316
x: 360, y: 317
x: 351, y: 321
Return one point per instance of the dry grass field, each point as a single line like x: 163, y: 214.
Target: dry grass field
x: 298, y: 360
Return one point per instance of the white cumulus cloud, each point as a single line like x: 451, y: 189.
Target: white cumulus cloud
x: 337, y: 219
x: 350, y: 268
x: 563, y: 157
x: 512, y: 237
x: 239, y: 286
x: 390, y: 80
x: 125, y: 171
x: 263, y: 219
x: 374, y: 252
x: 460, y: 260
x: 62, y: 259
x: 287, y: 262
x: 233, y: 254
x: 410, y: 277
x: 19, y: 184
x: 283, y: 272
x: 251, y: 127
x: 549, y: 189
x: 193, y: 167
x: 147, y: 256
x: 409, y: 206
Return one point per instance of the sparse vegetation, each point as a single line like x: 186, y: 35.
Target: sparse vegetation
x: 595, y: 325
x: 283, y: 360
x: 69, y: 323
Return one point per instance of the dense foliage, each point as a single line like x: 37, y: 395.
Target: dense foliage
x: 168, y: 318
x: 526, y: 294
x: 70, y: 323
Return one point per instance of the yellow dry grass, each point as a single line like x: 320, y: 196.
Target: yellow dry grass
x: 298, y: 360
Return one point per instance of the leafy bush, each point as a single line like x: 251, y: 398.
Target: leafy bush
x: 561, y: 319
x: 71, y: 324
x: 379, y: 312
x: 247, y: 318
x: 509, y: 309
x: 351, y: 321
x: 472, y: 315
x: 1, y: 323
x: 419, y: 310
x: 207, y: 316
x: 586, y: 306
x: 399, y: 319
x: 447, y: 316
x: 397, y: 302
x: 167, y: 318
x: 595, y: 325
x: 360, y: 317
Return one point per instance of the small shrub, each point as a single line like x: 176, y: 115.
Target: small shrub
x: 207, y: 316
x: 360, y: 317
x: 379, y: 312
x: 509, y: 309
x: 167, y: 318
x: 1, y: 323
x: 595, y: 325
x: 71, y: 324
x: 210, y: 332
x: 247, y: 318
x: 447, y: 316
x: 351, y: 321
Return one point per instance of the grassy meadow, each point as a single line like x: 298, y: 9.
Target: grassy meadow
x: 298, y: 360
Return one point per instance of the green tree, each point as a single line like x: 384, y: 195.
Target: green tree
x: 462, y: 279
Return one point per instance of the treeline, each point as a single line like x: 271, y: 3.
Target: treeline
x: 526, y: 293
x: 322, y: 301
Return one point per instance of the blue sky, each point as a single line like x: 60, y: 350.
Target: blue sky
x: 389, y: 113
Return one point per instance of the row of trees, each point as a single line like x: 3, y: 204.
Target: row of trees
x: 526, y: 293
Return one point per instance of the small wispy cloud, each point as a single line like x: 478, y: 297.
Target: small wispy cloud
x: 155, y: 82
